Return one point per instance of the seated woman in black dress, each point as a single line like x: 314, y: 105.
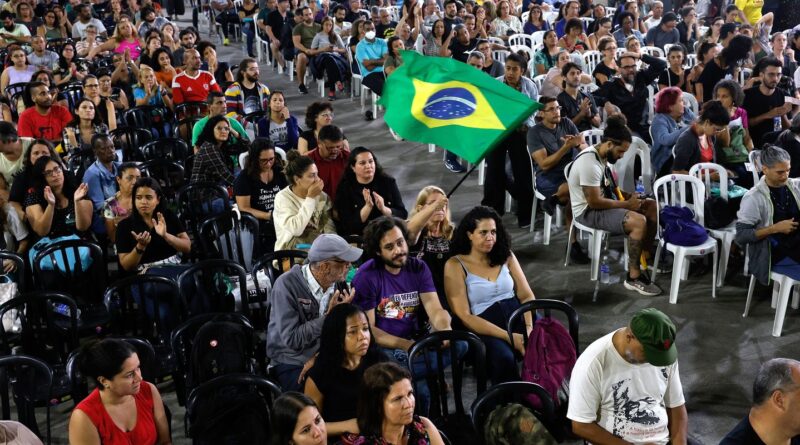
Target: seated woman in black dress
x: 318, y: 115
x: 55, y: 206
x: 365, y: 193
x: 346, y: 349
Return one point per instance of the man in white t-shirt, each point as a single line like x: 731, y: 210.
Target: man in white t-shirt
x: 656, y: 11
x: 625, y: 387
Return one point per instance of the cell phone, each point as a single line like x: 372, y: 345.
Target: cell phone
x: 343, y: 288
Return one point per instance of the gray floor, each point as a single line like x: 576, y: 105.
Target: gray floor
x: 719, y: 350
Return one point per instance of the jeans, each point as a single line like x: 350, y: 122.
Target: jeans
x: 421, y: 371
x: 500, y: 360
x: 248, y: 29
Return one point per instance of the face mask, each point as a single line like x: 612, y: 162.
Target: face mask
x: 370, y: 35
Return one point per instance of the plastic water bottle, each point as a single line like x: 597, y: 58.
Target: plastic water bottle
x: 605, y: 270
x: 639, y: 187
x: 64, y: 310
x: 777, y: 123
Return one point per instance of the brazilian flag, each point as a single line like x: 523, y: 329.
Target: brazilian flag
x: 439, y: 100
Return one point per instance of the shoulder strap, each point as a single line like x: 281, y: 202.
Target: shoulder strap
x: 596, y: 155
x: 466, y: 272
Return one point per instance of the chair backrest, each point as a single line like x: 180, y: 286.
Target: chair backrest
x: 199, y: 201
x: 511, y: 392
x: 18, y: 274
x: 78, y: 382
x: 520, y: 40
x: 674, y: 190
x: 129, y: 140
x: 539, y: 81
x: 31, y: 382
x: 233, y: 236
x: 74, y: 94
x: 754, y: 159
x: 252, y: 119
x: 500, y: 55
x: 183, y: 128
x: 703, y: 172
x: 48, y: 326
x: 625, y: 167
x: 70, y: 273
x: 221, y: 399
x: 593, y: 137
x: 524, y: 16
x: 170, y: 175
x: 279, y: 262
x: 588, y: 88
x: 171, y: 149
x: 145, y: 306
x: 691, y: 61
x: 213, y: 286
x: 591, y: 59
x: 527, y: 50
x: 182, y: 341
x: 744, y: 74
x: 651, y: 103
x: 653, y: 51
x: 431, y: 353
x: 690, y: 101
x: 516, y: 322
x: 154, y: 118
x: 190, y: 109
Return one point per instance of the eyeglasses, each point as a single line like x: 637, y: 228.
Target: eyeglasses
x: 330, y: 115
x: 91, y: 85
x: 550, y: 110
x: 628, y: 67
x: 226, y: 129
x: 267, y: 160
x: 50, y: 173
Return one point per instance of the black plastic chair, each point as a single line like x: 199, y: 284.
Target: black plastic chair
x: 209, y: 286
x: 31, y: 382
x: 74, y: 94
x: 511, y: 392
x: 170, y: 149
x: 16, y: 95
x: 79, y: 162
x: 55, y: 45
x: 85, y: 284
x: 153, y: 118
x: 183, y: 129
x: 208, y: 397
x: 170, y: 176
x: 129, y: 141
x: 453, y: 424
x: 18, y: 275
x: 516, y: 323
x: 231, y: 236
x: 190, y: 109
x: 200, y: 201
x: 182, y: 341
x: 132, y: 318
x: 285, y: 259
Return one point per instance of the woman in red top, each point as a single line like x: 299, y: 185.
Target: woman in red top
x: 123, y: 409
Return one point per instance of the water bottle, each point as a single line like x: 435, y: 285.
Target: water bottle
x: 63, y: 309
x: 639, y: 187
x: 605, y: 271
x: 777, y: 123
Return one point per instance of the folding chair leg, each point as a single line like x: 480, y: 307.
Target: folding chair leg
x: 677, y: 267
x: 655, y: 263
x: 548, y: 221
x: 596, y: 244
x: 780, y: 312
x: 750, y: 290
x: 533, y: 216
x: 569, y: 236
x: 726, y: 241
x: 482, y: 172
x: 714, y: 275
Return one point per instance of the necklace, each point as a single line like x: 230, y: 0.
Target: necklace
x: 780, y: 198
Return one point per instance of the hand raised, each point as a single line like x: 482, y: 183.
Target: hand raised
x: 81, y: 191
x: 49, y: 196
x: 160, y: 225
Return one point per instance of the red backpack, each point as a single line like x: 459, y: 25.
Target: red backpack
x: 549, y: 359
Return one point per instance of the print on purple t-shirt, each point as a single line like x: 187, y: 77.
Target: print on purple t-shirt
x: 395, y: 298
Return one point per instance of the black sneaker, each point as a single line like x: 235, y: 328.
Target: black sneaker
x: 303, y: 89
x: 577, y: 255
x: 454, y: 167
x: 549, y: 205
x: 369, y: 116
x: 643, y: 285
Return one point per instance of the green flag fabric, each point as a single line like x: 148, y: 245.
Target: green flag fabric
x: 439, y: 100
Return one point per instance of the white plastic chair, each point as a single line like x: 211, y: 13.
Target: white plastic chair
x: 500, y: 55
x: 592, y: 137
x: 673, y: 190
x: 653, y: 51
x: 537, y: 39
x: 548, y: 219
x: 754, y: 164
x: 520, y: 40
x: 744, y: 74
x: 725, y: 235
x: 595, y: 246
x: 590, y: 60
x: 539, y: 81
x: 691, y: 61
x: 781, y: 290
x: 524, y: 16
x: 550, y: 17
x: 610, y: 11
x: 690, y: 101
x: 651, y: 103
x: 624, y: 167
x: 588, y: 88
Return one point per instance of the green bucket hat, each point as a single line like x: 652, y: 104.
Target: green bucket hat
x: 656, y: 332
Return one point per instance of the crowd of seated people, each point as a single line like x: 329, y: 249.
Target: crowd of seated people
x: 74, y: 167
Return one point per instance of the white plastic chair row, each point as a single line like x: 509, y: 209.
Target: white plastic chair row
x: 781, y: 290
x: 703, y: 171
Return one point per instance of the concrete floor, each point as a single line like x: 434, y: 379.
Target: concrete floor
x: 719, y: 351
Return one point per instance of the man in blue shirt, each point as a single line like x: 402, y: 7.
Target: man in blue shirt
x: 371, y: 52
x: 101, y: 177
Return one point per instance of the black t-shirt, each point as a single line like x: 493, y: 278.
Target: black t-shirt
x: 339, y: 388
x: 278, y: 22
x: 756, y: 104
x: 434, y: 251
x: 459, y: 51
x: 385, y: 31
x: 671, y: 79
x: 63, y: 218
x: 311, y: 138
x: 572, y: 106
x: 603, y: 69
x: 450, y: 23
x: 252, y: 100
x: 712, y: 73
x: 351, y: 16
x: 158, y: 249
x: 262, y: 196
x: 744, y: 434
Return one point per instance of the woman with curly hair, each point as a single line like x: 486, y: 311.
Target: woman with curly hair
x: 484, y: 284
x: 318, y: 115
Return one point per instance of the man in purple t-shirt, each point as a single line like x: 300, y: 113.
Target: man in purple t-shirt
x: 394, y: 290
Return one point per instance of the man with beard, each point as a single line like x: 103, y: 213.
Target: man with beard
x: 451, y: 17
x: 300, y: 300
x: 150, y: 21
x: 302, y: 35
x: 247, y: 95
x: 765, y: 105
x: 45, y: 120
x: 629, y: 92
x: 396, y: 292
x: 101, y: 177
x: 12, y: 32
x: 85, y: 19
x: 188, y: 37
x: 339, y: 26
x: 193, y: 84
x: 386, y: 26
x: 626, y: 388
x: 355, y: 12
x: 593, y: 194
x: 330, y: 157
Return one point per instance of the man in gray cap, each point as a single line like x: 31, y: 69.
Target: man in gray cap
x: 666, y: 32
x: 625, y: 387
x: 299, y: 302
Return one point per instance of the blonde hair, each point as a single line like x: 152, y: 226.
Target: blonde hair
x: 422, y: 198
x: 117, y: 36
x: 144, y: 69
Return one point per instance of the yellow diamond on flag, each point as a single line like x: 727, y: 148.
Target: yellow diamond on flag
x: 452, y: 103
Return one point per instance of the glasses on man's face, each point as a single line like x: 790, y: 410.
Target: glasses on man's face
x: 553, y: 109
x: 628, y: 67
x: 52, y: 172
x: 91, y: 85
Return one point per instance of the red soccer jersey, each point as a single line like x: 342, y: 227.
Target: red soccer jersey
x: 193, y: 89
x: 34, y: 125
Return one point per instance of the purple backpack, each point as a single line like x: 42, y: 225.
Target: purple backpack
x: 549, y: 359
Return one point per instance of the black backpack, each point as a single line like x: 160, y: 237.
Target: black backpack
x: 219, y: 348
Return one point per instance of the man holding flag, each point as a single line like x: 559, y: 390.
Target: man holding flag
x: 442, y: 101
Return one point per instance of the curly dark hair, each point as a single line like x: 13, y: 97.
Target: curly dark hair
x: 156, y: 54
x: 374, y: 232
x: 737, y: 50
x: 313, y: 111
x: 461, y: 245
x: 252, y: 165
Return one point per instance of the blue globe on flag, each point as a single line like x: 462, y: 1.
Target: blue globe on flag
x: 450, y: 103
